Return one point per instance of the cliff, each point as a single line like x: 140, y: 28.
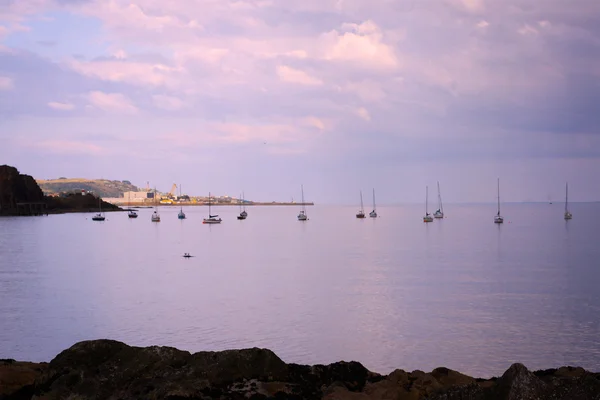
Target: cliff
x: 100, y: 187
x: 106, y: 369
x: 16, y: 188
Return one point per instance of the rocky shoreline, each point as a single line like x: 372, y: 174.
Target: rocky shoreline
x: 107, y: 369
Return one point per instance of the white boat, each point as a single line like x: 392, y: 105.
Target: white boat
x: 427, y: 217
x: 212, y: 219
x: 302, y: 215
x: 440, y: 211
x: 131, y: 213
x: 181, y: 214
x: 100, y: 216
x: 568, y: 214
x: 361, y: 212
x: 373, y: 214
x: 155, y: 215
x: 243, y: 214
x: 498, y: 219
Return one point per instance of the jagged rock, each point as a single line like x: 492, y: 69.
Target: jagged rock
x: 107, y: 369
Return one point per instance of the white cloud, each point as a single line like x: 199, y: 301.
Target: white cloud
x: 6, y: 83
x: 363, y: 44
x: 483, y: 24
x: 112, y: 102
x: 136, y: 73
x: 291, y: 75
x: 363, y: 113
x: 61, y: 106
x: 168, y: 102
x: 366, y: 90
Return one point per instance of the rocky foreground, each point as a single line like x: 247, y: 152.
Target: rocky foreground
x: 106, y: 369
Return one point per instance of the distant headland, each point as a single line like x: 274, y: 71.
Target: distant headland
x: 21, y: 195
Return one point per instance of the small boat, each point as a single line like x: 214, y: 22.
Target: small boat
x: 498, y: 219
x: 568, y: 214
x: 212, y: 219
x: 427, y: 217
x: 131, y: 213
x: 155, y: 215
x: 100, y: 216
x: 361, y: 212
x: 187, y: 255
x: 440, y: 211
x: 181, y: 214
x: 302, y: 215
x: 243, y: 214
x: 373, y: 214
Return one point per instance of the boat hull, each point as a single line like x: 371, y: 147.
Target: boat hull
x: 498, y: 220
x: 360, y: 216
x: 98, y: 218
x: 211, y: 221
x: 568, y: 215
x: 427, y: 219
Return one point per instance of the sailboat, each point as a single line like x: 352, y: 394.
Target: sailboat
x: 155, y: 214
x: 440, y: 211
x: 427, y: 217
x: 243, y: 214
x: 212, y: 219
x: 181, y: 214
x: 131, y: 213
x: 100, y: 215
x: 302, y: 215
x: 568, y: 214
x: 498, y: 219
x: 361, y: 212
x: 373, y: 214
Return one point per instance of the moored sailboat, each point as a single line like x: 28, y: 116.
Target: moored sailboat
x: 243, y: 214
x: 181, y: 214
x: 100, y: 216
x: 212, y: 219
x: 131, y: 213
x: 155, y: 215
x: 440, y: 211
x: 302, y: 215
x: 568, y: 214
x: 498, y: 219
x: 373, y: 214
x: 427, y: 217
x: 361, y: 212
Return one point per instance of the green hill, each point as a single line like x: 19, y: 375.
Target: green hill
x: 100, y: 187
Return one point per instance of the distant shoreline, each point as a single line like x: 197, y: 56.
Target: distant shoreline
x: 150, y: 205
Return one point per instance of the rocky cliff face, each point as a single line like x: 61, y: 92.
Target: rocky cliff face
x: 106, y: 369
x: 16, y: 188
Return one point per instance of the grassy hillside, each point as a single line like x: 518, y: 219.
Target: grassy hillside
x: 100, y: 187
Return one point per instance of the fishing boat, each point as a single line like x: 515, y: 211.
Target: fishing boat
x: 568, y: 214
x: 427, y: 217
x: 302, y: 215
x: 498, y: 219
x: 181, y: 214
x: 243, y: 214
x: 373, y: 214
x: 212, y: 219
x: 100, y: 216
x: 131, y: 213
x: 440, y: 211
x: 361, y: 212
x: 155, y: 215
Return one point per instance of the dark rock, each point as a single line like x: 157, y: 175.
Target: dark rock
x: 17, y: 188
x: 107, y: 369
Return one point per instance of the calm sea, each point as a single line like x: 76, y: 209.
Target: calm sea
x: 391, y: 292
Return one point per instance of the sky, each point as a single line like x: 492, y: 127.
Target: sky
x: 262, y: 96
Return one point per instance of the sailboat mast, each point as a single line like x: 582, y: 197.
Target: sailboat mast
x: 426, y: 199
x: 498, y: 196
x: 566, y: 197
x: 374, y: 208
x: 209, y: 213
x: 361, y: 202
x: 440, y: 198
x: 303, y: 206
x: 243, y: 200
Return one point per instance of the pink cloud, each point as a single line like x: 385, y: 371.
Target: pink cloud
x: 113, y: 102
